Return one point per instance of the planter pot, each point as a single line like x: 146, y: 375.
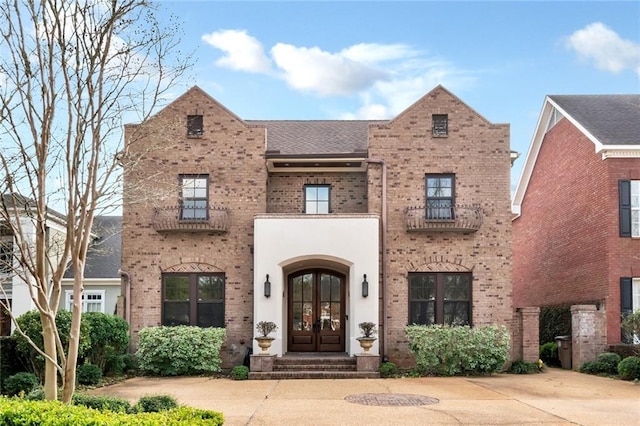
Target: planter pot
x: 264, y: 343
x: 366, y: 343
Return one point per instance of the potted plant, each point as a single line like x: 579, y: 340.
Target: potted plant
x: 264, y: 340
x: 368, y: 329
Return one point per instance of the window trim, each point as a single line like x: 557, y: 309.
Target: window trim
x: 439, y: 300
x: 181, y: 179
x: 452, y: 213
x: 68, y: 299
x: 316, y: 201
x: 193, y: 295
x: 195, y: 126
x: 440, y: 125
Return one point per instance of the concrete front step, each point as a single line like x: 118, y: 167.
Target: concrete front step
x: 315, y: 367
x: 308, y: 374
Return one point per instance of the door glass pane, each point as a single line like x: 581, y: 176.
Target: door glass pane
x: 297, y: 317
x: 325, y: 287
x: 307, y: 287
x: 296, y: 283
x: 335, y: 289
x: 307, y: 316
x: 335, y: 316
x: 176, y: 287
x: 325, y: 316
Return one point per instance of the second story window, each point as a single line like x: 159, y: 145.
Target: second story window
x: 440, y: 197
x: 629, y: 200
x: 316, y: 199
x: 194, y: 200
x: 195, y: 126
x: 440, y: 124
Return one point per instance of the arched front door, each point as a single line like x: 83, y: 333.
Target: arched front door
x: 316, y: 311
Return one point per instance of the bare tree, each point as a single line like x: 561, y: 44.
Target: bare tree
x: 71, y: 73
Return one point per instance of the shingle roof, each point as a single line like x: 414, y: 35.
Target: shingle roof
x: 103, y: 256
x: 612, y: 119
x: 316, y: 137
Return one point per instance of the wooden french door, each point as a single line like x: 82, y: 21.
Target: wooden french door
x: 316, y: 311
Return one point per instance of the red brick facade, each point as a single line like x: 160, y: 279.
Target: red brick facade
x: 567, y: 248
x: 232, y: 153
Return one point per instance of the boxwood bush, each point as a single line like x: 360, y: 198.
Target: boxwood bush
x: 629, y: 368
x: 109, y: 335
x: 605, y: 363
x: 88, y: 374
x: 20, y: 382
x: 447, y: 351
x: 18, y: 412
x: 181, y: 350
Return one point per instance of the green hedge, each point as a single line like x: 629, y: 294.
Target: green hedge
x: 9, y: 360
x: 447, y: 351
x: 181, y: 350
x: 109, y: 336
x: 18, y: 412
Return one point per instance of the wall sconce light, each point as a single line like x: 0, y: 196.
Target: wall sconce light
x: 365, y: 286
x: 267, y: 287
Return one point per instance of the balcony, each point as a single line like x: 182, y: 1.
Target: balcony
x: 171, y: 219
x: 464, y: 219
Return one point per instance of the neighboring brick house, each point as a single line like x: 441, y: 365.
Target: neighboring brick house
x: 317, y: 225
x: 577, y: 225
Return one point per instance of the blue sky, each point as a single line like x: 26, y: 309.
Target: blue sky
x: 371, y: 60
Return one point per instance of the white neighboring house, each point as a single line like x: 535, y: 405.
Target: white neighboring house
x: 101, y: 277
x: 14, y: 290
x: 102, y: 282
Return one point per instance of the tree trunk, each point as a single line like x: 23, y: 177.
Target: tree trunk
x: 50, y: 371
x: 74, y: 337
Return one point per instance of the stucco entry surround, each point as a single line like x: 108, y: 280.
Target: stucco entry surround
x: 348, y: 244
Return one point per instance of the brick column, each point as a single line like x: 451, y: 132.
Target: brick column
x: 530, y: 320
x: 588, y: 334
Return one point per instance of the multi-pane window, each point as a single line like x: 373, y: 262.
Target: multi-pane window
x: 194, y: 197
x: 92, y: 300
x: 195, y: 125
x: 6, y: 254
x: 440, y: 124
x: 629, y: 303
x: 629, y: 204
x: 440, y: 298
x: 316, y: 199
x: 193, y: 299
x: 440, y: 197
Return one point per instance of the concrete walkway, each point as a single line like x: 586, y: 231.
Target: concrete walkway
x: 555, y: 397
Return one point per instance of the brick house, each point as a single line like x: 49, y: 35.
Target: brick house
x: 317, y: 225
x: 585, y: 154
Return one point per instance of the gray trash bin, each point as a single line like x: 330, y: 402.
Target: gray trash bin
x: 564, y: 351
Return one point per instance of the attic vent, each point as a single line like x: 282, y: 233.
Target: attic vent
x: 194, y: 126
x: 555, y: 117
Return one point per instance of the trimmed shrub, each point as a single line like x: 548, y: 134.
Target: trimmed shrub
x: 155, y: 403
x: 239, y: 372
x: 447, y: 351
x: 522, y: 367
x: 21, y: 382
x: 102, y: 403
x: 629, y: 368
x: 631, y: 327
x: 54, y: 413
x: 30, y: 324
x: 109, y: 336
x: 88, y: 374
x: 605, y: 363
x: 388, y: 369
x: 554, y: 321
x: 181, y: 350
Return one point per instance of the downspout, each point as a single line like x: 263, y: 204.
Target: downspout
x: 383, y: 225
x: 127, y: 296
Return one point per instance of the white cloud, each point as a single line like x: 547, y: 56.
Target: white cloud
x: 387, y: 77
x: 606, y: 48
x: 323, y: 73
x: 242, y: 51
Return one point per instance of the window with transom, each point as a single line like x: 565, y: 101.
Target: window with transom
x: 440, y: 298
x: 193, y: 299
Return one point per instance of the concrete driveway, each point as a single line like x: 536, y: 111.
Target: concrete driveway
x: 555, y: 397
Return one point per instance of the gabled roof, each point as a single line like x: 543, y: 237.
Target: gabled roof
x: 315, y: 137
x: 611, y: 122
x: 103, y: 256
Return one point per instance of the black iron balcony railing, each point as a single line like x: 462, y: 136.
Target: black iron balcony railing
x: 443, y: 219
x: 179, y: 219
